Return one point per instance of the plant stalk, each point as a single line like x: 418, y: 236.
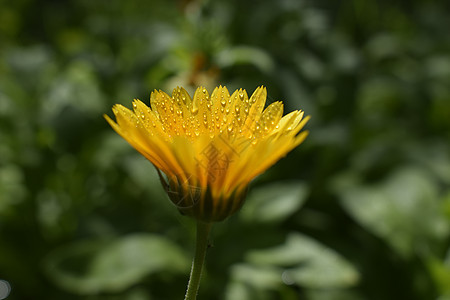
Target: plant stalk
x: 201, y: 246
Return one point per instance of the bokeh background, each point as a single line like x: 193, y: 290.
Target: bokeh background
x: 361, y: 210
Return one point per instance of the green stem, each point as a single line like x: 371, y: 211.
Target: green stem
x: 201, y: 245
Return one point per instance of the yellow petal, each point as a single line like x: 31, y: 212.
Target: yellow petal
x: 209, y: 147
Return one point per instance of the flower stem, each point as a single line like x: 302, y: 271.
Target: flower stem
x: 201, y: 245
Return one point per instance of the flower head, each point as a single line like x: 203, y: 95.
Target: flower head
x: 209, y: 147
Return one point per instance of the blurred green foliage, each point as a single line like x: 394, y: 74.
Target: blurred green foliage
x: 360, y: 211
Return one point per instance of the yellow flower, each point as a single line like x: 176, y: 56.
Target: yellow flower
x: 209, y: 147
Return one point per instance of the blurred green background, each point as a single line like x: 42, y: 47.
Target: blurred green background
x: 361, y: 210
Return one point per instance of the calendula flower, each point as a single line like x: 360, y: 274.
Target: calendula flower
x: 209, y: 147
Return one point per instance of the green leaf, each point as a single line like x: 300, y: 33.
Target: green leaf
x: 91, y: 267
x: 307, y: 263
x: 253, y: 282
x: 246, y: 55
x: 274, y: 202
x: 237, y: 291
x: 267, y: 277
x: 441, y: 274
x: 332, y: 294
x: 394, y: 208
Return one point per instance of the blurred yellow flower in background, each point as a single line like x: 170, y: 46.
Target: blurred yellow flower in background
x: 209, y: 147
